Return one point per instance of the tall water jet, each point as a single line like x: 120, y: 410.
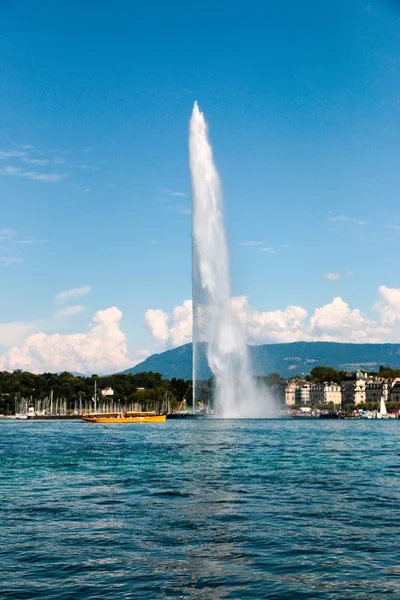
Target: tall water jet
x: 215, y: 319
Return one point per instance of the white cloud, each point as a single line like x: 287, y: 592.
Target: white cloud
x: 43, y: 162
x: 173, y: 193
x: 6, y: 234
x: 388, y: 306
x: 85, y: 167
x: 251, y: 243
x: 11, y: 154
x: 40, y: 162
x: 276, y: 326
x: 332, y: 276
x: 335, y: 321
x: 6, y: 261
x: 11, y: 170
x: 180, y: 331
x: 269, y: 250
x: 101, y: 349
x: 30, y: 241
x: 69, y: 311
x: 349, y: 219
x: 15, y: 333
x: 173, y: 330
x: 260, y: 246
x: 394, y: 227
x: 46, y: 177
x: 77, y: 292
x: 157, y: 323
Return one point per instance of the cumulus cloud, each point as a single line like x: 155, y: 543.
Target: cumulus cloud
x: 77, y: 292
x: 332, y: 276
x: 15, y: 333
x: 101, y: 349
x: 180, y: 331
x: 286, y: 325
x: 335, y: 321
x: 388, y: 306
x: 174, y: 330
x: 157, y: 323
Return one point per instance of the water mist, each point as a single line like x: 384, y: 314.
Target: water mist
x: 215, y: 320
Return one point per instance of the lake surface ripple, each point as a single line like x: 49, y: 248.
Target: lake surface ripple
x: 285, y: 509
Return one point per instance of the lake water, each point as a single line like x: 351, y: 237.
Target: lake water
x: 208, y: 509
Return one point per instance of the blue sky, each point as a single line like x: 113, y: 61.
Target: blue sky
x: 303, y: 105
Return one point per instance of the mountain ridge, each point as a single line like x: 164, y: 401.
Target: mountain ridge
x: 295, y: 358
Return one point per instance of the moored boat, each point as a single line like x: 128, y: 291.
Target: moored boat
x: 128, y: 417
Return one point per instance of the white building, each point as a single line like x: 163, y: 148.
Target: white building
x: 302, y: 392
x: 107, y: 392
x: 290, y: 393
x: 354, y: 388
x: 326, y: 393
x: 394, y: 390
x: 376, y: 389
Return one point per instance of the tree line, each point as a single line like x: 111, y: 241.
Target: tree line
x: 147, y: 389
x: 321, y: 374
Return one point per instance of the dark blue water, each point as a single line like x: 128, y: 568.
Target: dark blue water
x: 212, y: 509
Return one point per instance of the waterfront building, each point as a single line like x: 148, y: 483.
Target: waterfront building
x: 326, y: 393
x: 394, y: 391
x: 353, y: 388
x: 290, y: 393
x: 302, y: 392
x: 377, y: 388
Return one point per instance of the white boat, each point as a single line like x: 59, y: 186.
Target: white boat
x: 382, y: 414
x: 20, y: 417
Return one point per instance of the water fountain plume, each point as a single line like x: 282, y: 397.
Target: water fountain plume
x: 215, y: 319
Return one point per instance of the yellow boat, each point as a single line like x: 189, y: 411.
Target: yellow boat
x: 128, y: 417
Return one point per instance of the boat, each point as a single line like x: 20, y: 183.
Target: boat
x: 185, y: 415
x: 20, y: 417
x: 128, y: 417
x: 382, y: 414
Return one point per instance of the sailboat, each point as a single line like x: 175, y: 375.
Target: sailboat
x: 382, y: 414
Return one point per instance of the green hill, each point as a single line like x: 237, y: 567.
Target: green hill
x: 297, y: 358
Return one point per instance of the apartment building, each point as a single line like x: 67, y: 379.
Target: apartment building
x: 354, y: 388
x: 326, y: 393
